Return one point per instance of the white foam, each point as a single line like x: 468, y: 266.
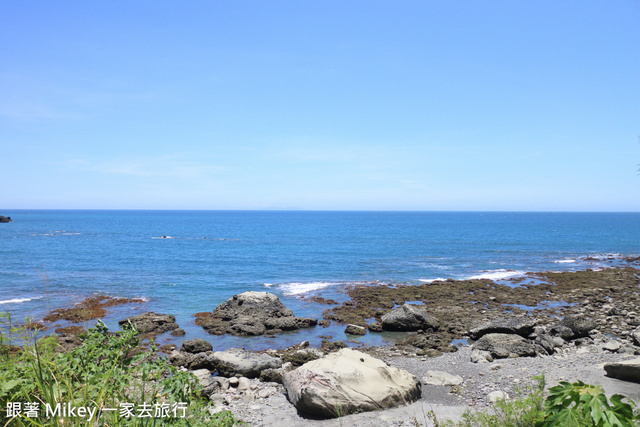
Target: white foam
x: 564, y: 261
x: 498, y: 274
x: 297, y: 288
x: 18, y: 300
x: 438, y: 279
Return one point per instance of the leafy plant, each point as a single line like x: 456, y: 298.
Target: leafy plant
x: 579, y: 404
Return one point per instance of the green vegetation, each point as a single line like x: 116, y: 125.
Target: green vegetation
x: 567, y: 405
x: 109, y: 375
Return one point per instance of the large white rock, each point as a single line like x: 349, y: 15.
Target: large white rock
x: 349, y: 381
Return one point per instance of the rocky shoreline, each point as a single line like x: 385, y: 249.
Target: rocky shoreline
x: 567, y: 325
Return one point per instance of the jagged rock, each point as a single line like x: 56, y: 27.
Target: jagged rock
x: 355, y: 330
x: 579, y: 324
x: 252, y: 313
x: 180, y: 358
x: 290, y: 323
x: 196, y: 345
x: 628, y: 370
x: 202, y: 361
x: 178, y: 332
x: 346, y: 382
x: 5, y: 219
x: 409, y: 317
x: 235, y: 361
x: 441, y: 378
x: 506, y: 345
x: 151, y: 323
x: 331, y: 346
x: 522, y: 326
x: 275, y: 375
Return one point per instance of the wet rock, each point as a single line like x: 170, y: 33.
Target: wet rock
x: 251, y: 313
x: 409, y: 317
x: 506, y: 345
x: 88, y: 309
x: 196, y: 345
x: 178, y: 332
x: 235, y: 361
x: 522, y: 326
x: 628, y: 370
x: 346, y: 382
x: 355, y: 330
x: 5, y: 219
x: 150, y: 323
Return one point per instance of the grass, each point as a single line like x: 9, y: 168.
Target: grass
x: 109, y: 375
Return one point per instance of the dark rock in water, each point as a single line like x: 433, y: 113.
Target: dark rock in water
x: 196, y: 345
x: 151, y: 323
x: 5, y: 218
x: 628, y: 370
x: 522, y: 326
x: 355, y: 330
x: 251, y: 313
x: 506, y: 345
x: 330, y: 346
x: 409, y: 318
x: 375, y: 327
x: 88, y: 309
x: 178, y: 332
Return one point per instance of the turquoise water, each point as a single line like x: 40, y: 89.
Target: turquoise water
x: 208, y: 256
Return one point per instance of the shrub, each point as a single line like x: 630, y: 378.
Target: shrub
x: 108, y: 373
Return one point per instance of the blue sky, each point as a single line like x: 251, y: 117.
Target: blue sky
x: 356, y: 105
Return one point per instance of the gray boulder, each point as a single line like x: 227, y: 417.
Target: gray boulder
x: 522, y: 326
x: 346, y: 382
x: 196, y: 345
x: 628, y: 370
x: 151, y: 323
x: 506, y: 345
x: 409, y: 317
x: 180, y: 358
x: 240, y: 362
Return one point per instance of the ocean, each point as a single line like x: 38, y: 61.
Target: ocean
x: 184, y: 262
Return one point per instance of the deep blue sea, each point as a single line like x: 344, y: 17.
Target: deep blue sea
x: 208, y: 256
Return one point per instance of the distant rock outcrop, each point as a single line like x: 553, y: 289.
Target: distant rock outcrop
x: 251, y: 313
x: 5, y: 218
x: 151, y: 323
